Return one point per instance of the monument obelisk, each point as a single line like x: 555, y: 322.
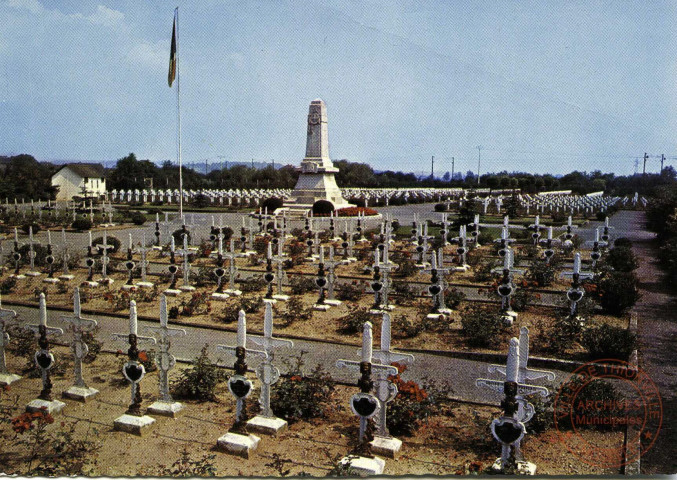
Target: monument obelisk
x: 316, y: 181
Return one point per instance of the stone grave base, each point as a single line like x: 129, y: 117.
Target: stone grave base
x: 364, y: 465
x: 167, y: 409
x: 422, y: 265
x: 66, y: 278
x: 157, y: 247
x: 321, y: 308
x: 8, y: 378
x: 361, y: 240
x: 172, y: 292
x: 220, y: 297
x: 248, y: 253
x: 523, y: 468
x: 145, y: 284
x: 132, y: 423
x: 33, y: 274
x: 187, y: 288
x: 238, y: 444
x: 91, y: 284
x: 266, y: 425
x: 50, y: 280
x: 387, y: 446
x: 234, y: 293
x: 348, y: 261
x: 509, y: 317
x: 128, y: 287
x: 51, y: 407
x: 333, y: 303
x: 18, y: 276
x: 281, y: 298
x: 462, y: 268
x: 80, y: 393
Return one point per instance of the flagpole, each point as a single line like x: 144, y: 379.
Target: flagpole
x: 178, y: 109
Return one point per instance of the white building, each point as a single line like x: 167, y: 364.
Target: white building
x: 79, y: 180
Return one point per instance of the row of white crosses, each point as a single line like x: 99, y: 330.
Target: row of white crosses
x: 509, y: 429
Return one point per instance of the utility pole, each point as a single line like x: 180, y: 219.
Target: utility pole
x: 252, y: 163
x: 273, y: 160
x: 432, y: 168
x: 662, y: 160
x: 479, y: 160
x: 452, y: 168
x: 206, y: 160
x: 646, y: 157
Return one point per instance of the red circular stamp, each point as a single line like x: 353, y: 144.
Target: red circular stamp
x: 610, y: 396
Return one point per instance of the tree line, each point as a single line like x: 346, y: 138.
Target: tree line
x: 25, y: 177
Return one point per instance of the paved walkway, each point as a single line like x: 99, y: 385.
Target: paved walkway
x: 657, y: 336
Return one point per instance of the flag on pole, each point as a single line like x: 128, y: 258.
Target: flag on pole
x: 172, y: 56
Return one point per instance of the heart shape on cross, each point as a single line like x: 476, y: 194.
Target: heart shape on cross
x: 507, y: 430
x: 460, y: 250
x: 434, y: 289
x: 419, y: 249
x: 133, y: 371
x: 595, y: 256
x: 320, y: 282
x: 243, y: 238
x: 364, y: 405
x: 90, y: 262
x: 505, y: 289
x: 49, y: 259
x: 44, y: 359
x: 239, y: 386
x: 16, y: 256
x: 269, y: 277
x: 549, y: 253
x: 344, y: 244
x: 535, y: 235
x: 376, y: 286
x: 219, y: 272
x: 173, y: 269
x: 575, y: 294
x: 129, y: 265
x: 501, y: 252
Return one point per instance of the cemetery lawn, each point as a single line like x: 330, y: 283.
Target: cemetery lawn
x: 456, y: 441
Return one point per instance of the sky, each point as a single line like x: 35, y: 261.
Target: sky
x: 542, y: 87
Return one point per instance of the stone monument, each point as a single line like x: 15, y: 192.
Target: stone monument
x: 316, y: 181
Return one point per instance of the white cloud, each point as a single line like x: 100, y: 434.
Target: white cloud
x: 33, y: 6
x: 153, y: 55
x: 106, y: 16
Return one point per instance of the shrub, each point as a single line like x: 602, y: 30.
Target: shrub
x: 406, y: 265
x: 353, y: 321
x: 521, y: 299
x: 355, y: 211
x: 323, y: 207
x: 261, y: 245
x: 137, y: 218
x: 482, y: 272
x: 25, y: 227
x: 541, y: 273
x: 618, y: 292
x: 453, y: 298
x: 7, y: 285
x: 110, y: 240
x: 481, y: 325
x: 403, y: 327
x: 81, y: 224
x: 623, y: 242
x: 412, y: 406
x: 300, y: 396
x: 559, y: 336
x: 349, y: 292
x: 606, y: 341
x: 199, y: 382
x: 295, y: 311
x: 597, y: 390
x: 198, y: 304
x: 440, y: 207
x: 543, y: 413
x: 621, y: 259
x: 272, y: 204
x: 178, y: 237
x: 301, y: 284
